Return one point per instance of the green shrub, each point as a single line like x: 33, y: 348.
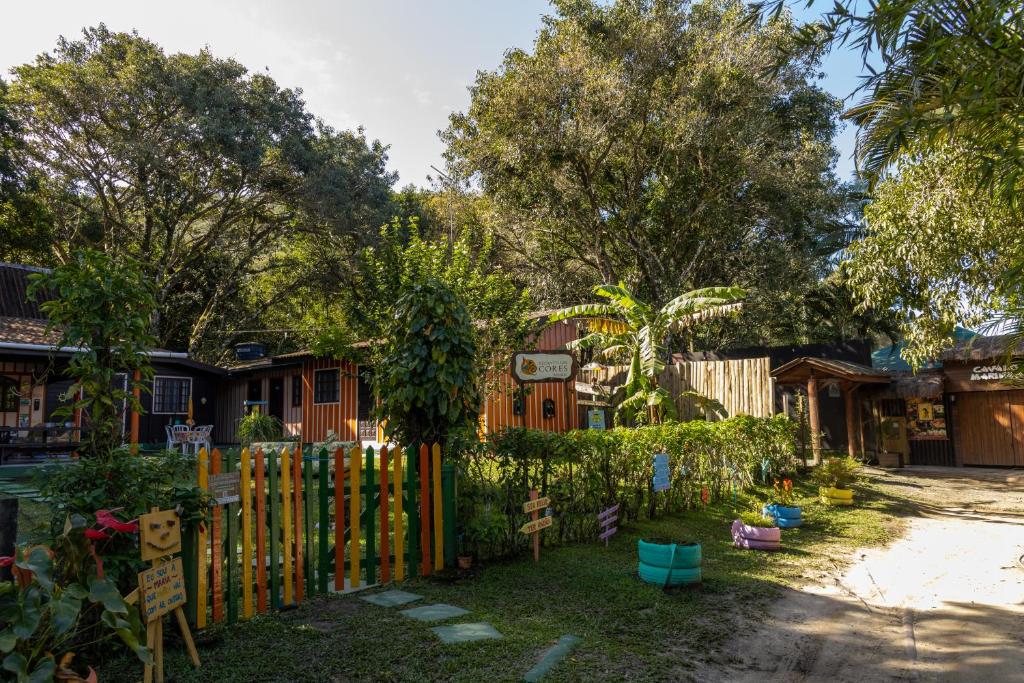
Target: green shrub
x: 257, y: 426
x: 753, y: 518
x: 840, y: 473
x: 586, y: 471
x: 131, y: 485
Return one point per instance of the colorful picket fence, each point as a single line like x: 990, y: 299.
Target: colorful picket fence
x: 291, y: 534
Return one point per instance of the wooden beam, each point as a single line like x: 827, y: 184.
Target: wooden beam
x: 814, y: 418
x: 851, y: 431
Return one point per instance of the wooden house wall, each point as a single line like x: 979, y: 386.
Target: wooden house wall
x: 27, y: 375
x: 341, y: 417
x: 235, y: 390
x: 204, y: 386
x: 498, y: 405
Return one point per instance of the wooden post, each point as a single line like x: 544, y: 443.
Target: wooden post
x: 814, y: 417
x: 851, y: 422
x: 137, y: 395
x: 536, y: 534
x: 399, y: 521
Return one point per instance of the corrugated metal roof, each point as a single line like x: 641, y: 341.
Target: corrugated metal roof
x: 14, y: 282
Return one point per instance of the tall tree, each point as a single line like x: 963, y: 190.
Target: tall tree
x: 645, y: 141
x: 190, y: 165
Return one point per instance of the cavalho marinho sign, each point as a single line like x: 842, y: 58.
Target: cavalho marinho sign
x: 550, y: 366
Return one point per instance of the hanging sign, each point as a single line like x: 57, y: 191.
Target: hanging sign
x: 607, y: 520
x: 226, y: 488
x: 549, y: 366
x: 661, y: 474
x: 595, y: 419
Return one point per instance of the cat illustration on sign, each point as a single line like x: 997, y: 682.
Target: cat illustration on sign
x: 528, y: 367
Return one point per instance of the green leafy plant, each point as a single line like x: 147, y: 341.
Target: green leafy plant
x: 427, y: 380
x: 839, y: 473
x: 131, y: 484
x: 101, y: 307
x: 257, y: 426
x: 60, y: 603
x: 632, y: 330
x: 755, y: 518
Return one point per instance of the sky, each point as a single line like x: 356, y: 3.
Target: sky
x: 396, y: 67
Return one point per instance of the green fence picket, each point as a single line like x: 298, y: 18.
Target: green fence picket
x: 274, y: 498
x: 448, y: 487
x: 325, y: 522
x: 412, y: 510
x: 308, y: 523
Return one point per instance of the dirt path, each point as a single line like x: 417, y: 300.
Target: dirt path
x: 944, y: 603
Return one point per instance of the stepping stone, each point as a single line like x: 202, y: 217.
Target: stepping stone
x: 466, y: 633
x: 434, y: 612
x: 392, y: 598
x: 552, y: 657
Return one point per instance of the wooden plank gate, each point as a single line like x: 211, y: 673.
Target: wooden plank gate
x: 310, y: 523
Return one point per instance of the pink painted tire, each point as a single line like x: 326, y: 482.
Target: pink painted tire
x: 751, y: 544
x: 757, y: 533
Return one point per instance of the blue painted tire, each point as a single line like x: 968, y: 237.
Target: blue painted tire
x: 789, y: 523
x: 658, y: 575
x: 687, y: 556
x: 781, y: 511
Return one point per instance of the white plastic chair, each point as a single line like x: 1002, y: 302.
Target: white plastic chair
x: 199, y: 437
x: 179, y: 435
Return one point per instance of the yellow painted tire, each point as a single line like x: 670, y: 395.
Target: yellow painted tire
x: 842, y: 494
x: 829, y: 500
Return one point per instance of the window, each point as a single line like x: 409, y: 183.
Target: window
x: 170, y: 395
x: 326, y: 386
x: 296, y: 391
x: 8, y: 395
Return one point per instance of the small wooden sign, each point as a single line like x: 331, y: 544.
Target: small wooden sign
x: 549, y: 366
x: 539, y: 504
x: 159, y: 534
x: 536, y: 525
x: 661, y: 480
x: 226, y: 488
x: 162, y: 589
x: 607, y: 521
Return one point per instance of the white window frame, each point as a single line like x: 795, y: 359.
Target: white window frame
x: 327, y: 403
x: 164, y: 412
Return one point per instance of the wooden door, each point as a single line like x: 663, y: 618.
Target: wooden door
x: 275, y: 401
x: 366, y: 422
x: 989, y: 427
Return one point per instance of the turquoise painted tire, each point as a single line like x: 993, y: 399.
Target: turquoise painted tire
x: 687, y: 555
x: 658, y: 575
x: 789, y: 523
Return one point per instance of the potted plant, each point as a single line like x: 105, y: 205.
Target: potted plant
x: 669, y: 563
x: 754, y: 531
x: 835, y: 476
x: 781, y: 510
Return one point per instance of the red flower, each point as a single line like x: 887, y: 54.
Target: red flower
x: 6, y: 561
x: 106, y: 519
x: 96, y: 535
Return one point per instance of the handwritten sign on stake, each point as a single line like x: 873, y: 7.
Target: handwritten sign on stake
x: 607, y: 521
x: 536, y: 523
x: 162, y: 589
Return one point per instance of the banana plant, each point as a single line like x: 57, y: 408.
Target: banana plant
x: 624, y: 328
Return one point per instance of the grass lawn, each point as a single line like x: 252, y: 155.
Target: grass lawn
x: 630, y: 630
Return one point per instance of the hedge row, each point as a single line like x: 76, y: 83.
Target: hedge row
x: 585, y: 471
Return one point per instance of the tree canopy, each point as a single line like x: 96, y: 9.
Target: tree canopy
x: 647, y: 142
x: 192, y: 166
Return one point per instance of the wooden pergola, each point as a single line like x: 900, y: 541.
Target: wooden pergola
x: 812, y: 373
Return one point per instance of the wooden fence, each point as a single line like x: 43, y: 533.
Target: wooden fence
x: 744, y: 387
x: 307, y: 523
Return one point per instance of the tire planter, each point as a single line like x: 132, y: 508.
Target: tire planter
x: 834, y: 496
x: 783, y: 516
x: 756, y: 537
x: 669, y: 564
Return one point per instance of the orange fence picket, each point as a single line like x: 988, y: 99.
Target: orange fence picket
x: 261, y: 534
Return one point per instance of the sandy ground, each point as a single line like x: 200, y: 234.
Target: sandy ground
x: 944, y: 603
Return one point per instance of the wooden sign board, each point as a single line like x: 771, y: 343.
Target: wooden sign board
x: 159, y: 534
x: 161, y: 589
x: 607, y: 521
x: 549, y: 366
x: 661, y: 480
x: 536, y: 525
x: 539, y: 504
x: 226, y: 488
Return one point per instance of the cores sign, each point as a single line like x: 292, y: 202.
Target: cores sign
x: 554, y: 366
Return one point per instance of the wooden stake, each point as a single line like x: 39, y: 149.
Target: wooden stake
x: 536, y: 534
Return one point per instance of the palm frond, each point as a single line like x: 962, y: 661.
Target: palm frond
x: 583, y: 311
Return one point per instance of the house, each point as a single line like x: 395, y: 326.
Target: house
x: 33, y: 384
x: 316, y: 397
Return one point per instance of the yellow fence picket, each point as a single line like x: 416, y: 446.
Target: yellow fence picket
x: 201, y: 579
